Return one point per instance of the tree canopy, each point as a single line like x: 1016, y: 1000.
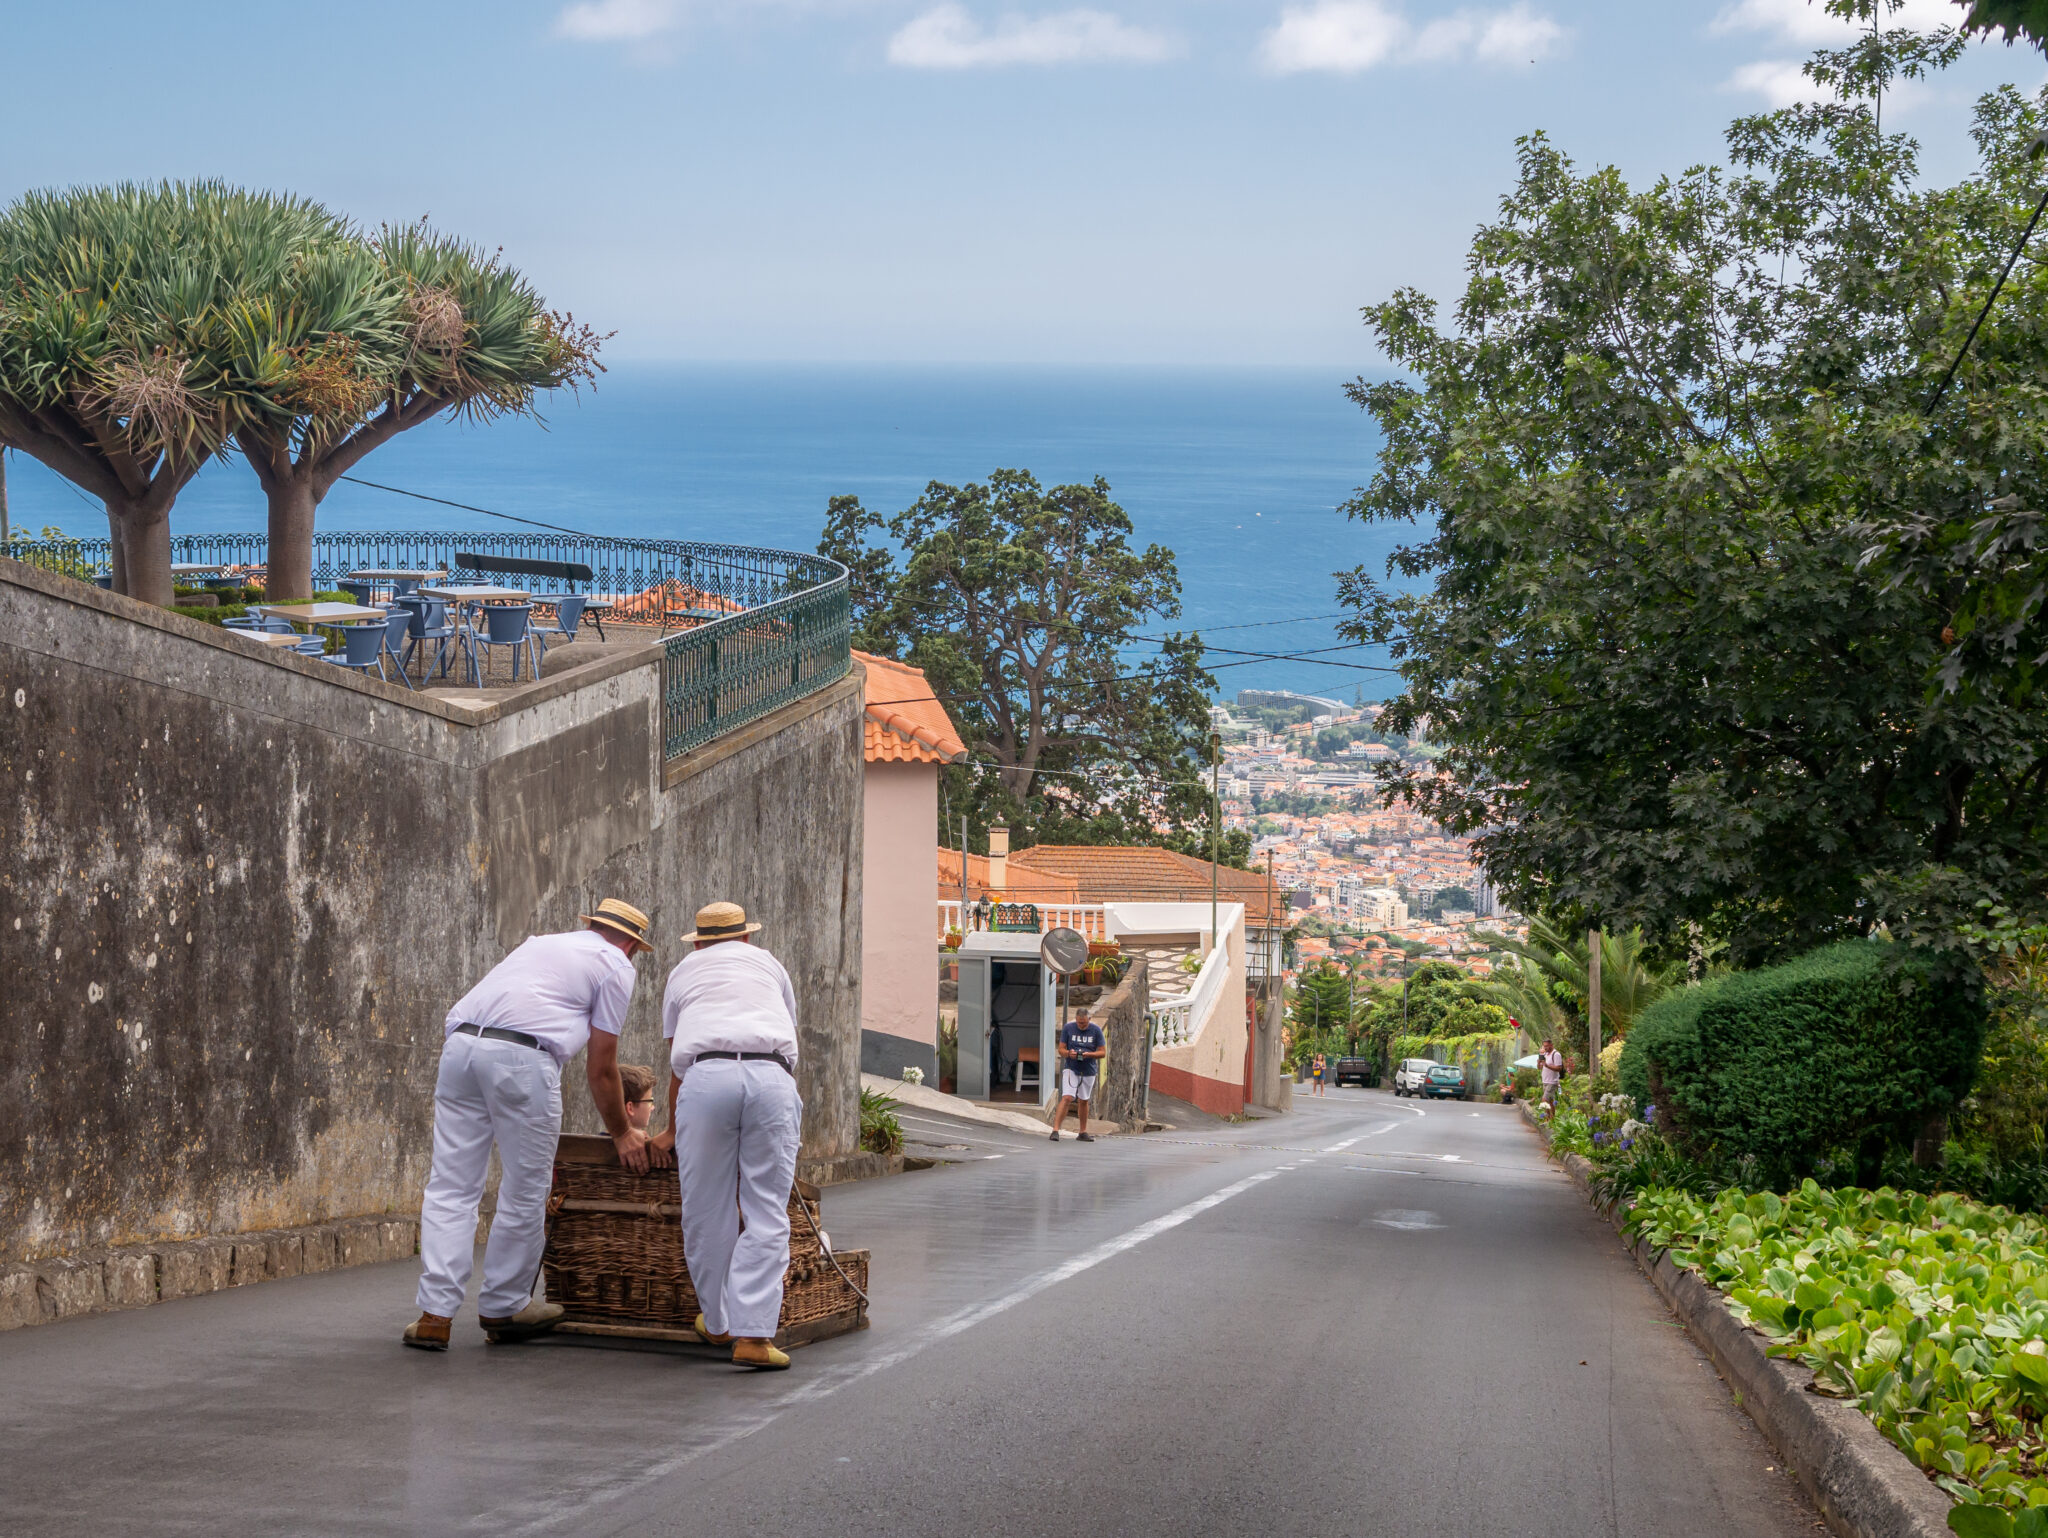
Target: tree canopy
x: 1027, y: 608
x: 1655, y: 449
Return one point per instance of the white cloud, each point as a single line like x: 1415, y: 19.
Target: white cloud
x: 610, y: 21
x: 1780, y: 82
x: 1807, y: 22
x: 946, y: 37
x: 1347, y: 36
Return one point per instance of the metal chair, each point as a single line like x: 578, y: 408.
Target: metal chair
x: 311, y: 646
x: 505, y: 624
x: 362, y: 646
x: 568, y: 611
x: 242, y: 622
x: 397, y: 627
x: 430, y: 622
x: 402, y: 587
x: 361, y: 592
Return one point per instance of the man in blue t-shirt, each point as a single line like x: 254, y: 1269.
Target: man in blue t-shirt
x: 1082, y: 1048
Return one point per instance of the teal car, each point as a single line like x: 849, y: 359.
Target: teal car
x: 1446, y: 1081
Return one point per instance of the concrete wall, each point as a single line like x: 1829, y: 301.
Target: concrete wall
x: 241, y: 891
x: 899, y: 1002
x: 1209, y: 1071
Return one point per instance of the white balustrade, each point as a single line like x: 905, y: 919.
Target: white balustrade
x: 1172, y: 1025
x: 1086, y: 917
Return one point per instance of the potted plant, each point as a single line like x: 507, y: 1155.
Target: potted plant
x: 953, y: 938
x: 1091, y: 975
x: 949, y: 1055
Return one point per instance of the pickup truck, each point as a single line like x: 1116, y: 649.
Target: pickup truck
x: 1362, y: 1071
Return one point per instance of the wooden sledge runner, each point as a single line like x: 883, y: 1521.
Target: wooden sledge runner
x: 614, y: 1256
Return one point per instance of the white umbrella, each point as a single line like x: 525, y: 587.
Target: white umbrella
x: 1527, y: 1062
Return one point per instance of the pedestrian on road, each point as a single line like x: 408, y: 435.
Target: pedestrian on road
x: 1551, y: 1062
x: 1082, y: 1048
x: 734, y: 1118
x: 500, y: 1083
x: 1322, y: 1066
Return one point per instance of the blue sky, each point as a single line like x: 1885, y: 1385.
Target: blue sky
x: 1214, y: 182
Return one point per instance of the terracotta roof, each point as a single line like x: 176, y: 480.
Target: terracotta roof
x: 1024, y: 885
x: 1133, y: 873
x: 906, y: 723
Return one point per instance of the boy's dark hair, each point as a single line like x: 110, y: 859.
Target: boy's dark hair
x: 638, y: 1082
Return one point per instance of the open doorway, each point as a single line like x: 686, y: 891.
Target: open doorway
x: 1015, y: 1031
x: 1008, y: 1018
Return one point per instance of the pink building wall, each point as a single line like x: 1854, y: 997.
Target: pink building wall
x: 899, y: 994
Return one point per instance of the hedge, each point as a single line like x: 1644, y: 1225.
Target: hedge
x: 1836, y: 1051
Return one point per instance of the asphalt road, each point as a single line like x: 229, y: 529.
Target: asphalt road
x: 1365, y: 1317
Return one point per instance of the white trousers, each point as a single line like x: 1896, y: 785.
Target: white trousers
x: 489, y: 1092
x: 737, y: 1126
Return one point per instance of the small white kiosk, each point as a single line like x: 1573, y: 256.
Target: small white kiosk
x: 1009, y: 1019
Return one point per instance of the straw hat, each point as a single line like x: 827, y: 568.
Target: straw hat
x: 623, y: 918
x: 721, y: 921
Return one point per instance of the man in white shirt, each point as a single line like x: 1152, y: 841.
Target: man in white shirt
x: 734, y: 1119
x: 1550, y: 1062
x: 501, y: 1082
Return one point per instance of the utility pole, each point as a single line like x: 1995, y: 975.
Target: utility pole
x: 5, y: 536
x: 1215, y: 827
x: 963, y: 873
x: 1592, y: 1002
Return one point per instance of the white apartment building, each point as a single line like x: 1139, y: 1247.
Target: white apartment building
x: 1382, y: 907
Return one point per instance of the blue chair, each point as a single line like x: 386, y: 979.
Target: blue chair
x: 397, y: 627
x: 273, y: 624
x: 402, y: 586
x: 311, y: 646
x: 361, y: 592
x: 505, y: 624
x: 362, y: 646
x: 430, y: 622
x: 568, y: 611
x: 242, y: 622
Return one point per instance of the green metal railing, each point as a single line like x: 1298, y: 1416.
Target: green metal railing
x: 783, y: 629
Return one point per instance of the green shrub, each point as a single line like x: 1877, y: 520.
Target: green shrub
x: 234, y: 603
x: 1833, y: 1051
x: 880, y: 1131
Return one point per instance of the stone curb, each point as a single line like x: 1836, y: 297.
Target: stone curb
x: 1862, y: 1485
x: 135, y: 1276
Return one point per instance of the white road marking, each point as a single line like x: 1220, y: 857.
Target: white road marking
x: 1340, y: 1147
x: 830, y: 1381
x: 1404, y: 1218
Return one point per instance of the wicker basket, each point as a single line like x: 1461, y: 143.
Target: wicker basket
x: 614, y: 1255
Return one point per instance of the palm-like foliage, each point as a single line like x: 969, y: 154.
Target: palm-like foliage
x: 1628, y: 985
x: 378, y: 339
x: 116, y: 339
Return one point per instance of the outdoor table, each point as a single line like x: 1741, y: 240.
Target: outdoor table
x: 478, y: 593
x: 194, y: 568
x: 270, y: 638
x: 597, y: 605
x: 396, y: 576
x: 321, y: 613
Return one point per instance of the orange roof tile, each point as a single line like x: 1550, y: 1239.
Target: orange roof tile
x: 1136, y: 873
x: 905, y: 721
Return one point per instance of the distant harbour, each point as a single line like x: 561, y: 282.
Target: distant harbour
x: 1239, y: 471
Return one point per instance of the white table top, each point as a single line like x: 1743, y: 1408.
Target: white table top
x: 270, y: 638
x: 321, y: 613
x: 380, y: 574
x: 193, y: 568
x: 477, y: 594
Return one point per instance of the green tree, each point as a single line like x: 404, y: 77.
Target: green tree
x: 116, y: 340
x: 1667, y: 687
x: 1023, y: 606
x: 370, y: 339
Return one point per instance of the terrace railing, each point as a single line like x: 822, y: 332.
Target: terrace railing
x: 782, y: 631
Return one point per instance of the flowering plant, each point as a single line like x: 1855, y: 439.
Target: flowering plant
x: 913, y: 1075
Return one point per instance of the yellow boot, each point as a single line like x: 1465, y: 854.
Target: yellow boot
x: 760, y: 1354
x: 704, y: 1333
x: 429, y: 1332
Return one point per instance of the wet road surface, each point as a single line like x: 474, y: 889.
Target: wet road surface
x: 1364, y: 1317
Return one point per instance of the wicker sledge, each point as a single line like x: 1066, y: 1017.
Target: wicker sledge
x: 614, y: 1256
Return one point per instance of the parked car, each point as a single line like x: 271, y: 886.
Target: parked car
x: 1446, y: 1081
x: 1412, y: 1074
x: 1362, y: 1071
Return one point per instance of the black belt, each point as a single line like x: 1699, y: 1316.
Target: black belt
x: 499, y: 1033
x: 753, y: 1057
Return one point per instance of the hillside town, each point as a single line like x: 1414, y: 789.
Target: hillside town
x: 1378, y: 887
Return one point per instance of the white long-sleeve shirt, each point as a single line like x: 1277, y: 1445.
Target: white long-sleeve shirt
x: 729, y: 997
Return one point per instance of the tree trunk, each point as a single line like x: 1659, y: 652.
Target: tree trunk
x: 1927, y: 1146
x: 6, y: 531
x: 117, y: 556
x: 146, y: 544
x: 292, y: 505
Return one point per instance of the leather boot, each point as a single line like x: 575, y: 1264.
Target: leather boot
x: 429, y: 1332
x: 759, y: 1354
x: 534, y: 1319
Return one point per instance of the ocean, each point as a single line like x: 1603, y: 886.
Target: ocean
x: 1239, y: 471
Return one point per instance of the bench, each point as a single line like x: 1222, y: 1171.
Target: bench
x: 571, y: 572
